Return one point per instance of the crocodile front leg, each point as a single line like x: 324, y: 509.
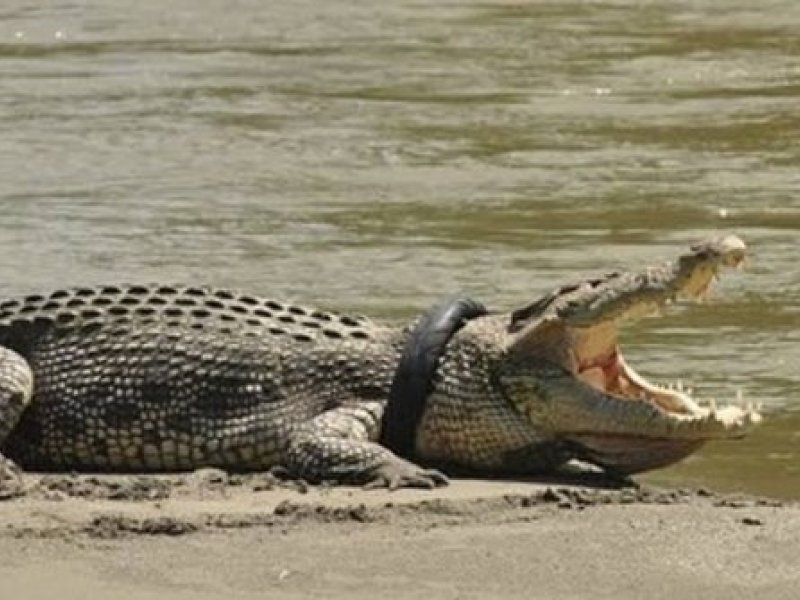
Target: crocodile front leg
x: 16, y: 387
x: 341, y: 445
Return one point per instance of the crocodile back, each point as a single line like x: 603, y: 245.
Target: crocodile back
x: 26, y: 320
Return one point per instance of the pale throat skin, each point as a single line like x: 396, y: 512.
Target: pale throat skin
x: 165, y: 378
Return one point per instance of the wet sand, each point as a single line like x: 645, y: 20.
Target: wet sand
x: 208, y: 535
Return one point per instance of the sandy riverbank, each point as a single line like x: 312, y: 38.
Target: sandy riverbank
x: 209, y: 536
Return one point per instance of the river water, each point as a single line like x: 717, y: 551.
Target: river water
x: 376, y: 156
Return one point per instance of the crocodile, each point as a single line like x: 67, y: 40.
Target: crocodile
x: 157, y: 378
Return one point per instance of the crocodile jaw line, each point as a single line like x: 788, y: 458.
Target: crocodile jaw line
x: 675, y: 423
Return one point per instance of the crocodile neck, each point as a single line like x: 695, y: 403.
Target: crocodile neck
x: 468, y: 421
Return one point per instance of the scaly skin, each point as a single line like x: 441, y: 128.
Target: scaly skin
x: 161, y: 378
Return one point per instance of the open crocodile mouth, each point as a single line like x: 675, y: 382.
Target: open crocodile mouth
x: 611, y: 374
x: 662, y: 423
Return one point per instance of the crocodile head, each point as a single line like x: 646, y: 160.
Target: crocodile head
x: 565, y: 370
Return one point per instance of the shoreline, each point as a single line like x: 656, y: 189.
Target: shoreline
x: 206, y: 534
x: 101, y: 505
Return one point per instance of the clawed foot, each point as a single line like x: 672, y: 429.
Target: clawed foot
x: 403, y: 474
x: 11, y: 482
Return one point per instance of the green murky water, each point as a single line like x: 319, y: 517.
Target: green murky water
x: 377, y: 156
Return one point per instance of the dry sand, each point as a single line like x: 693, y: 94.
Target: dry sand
x: 207, y: 535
